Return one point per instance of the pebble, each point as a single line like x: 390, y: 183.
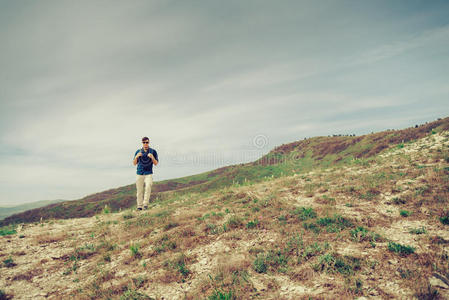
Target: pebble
x: 438, y: 283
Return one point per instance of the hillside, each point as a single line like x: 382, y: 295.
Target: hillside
x: 10, y: 210
x: 374, y: 227
x: 293, y: 158
x: 348, y: 217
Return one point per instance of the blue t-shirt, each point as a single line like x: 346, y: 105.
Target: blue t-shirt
x: 144, y: 163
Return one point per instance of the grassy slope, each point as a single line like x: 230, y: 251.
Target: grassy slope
x: 370, y: 228
x: 374, y: 226
x: 297, y: 157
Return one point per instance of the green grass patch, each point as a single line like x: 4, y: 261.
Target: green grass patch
x: 165, y: 244
x: 332, y: 263
x: 252, y: 224
x: 360, y: 234
x: 305, y: 213
x: 403, y: 250
x: 404, y: 213
x: 445, y: 218
x: 275, y: 260
x: 221, y: 295
x: 128, y: 216
x: 335, y: 223
x: 399, y: 200
x: 7, y: 230
x: 179, y: 264
x: 312, y: 227
x: 9, y: 262
x: 234, y: 222
x: 421, y: 230
x: 134, y: 248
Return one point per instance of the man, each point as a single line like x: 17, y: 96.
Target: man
x: 144, y: 158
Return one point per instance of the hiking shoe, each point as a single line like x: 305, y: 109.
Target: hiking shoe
x: 139, y: 208
x: 145, y: 207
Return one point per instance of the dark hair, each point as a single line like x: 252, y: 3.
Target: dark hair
x: 145, y: 138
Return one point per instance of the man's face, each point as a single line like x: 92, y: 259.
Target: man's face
x: 146, y: 144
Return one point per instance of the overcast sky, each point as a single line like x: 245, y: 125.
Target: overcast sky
x: 211, y: 83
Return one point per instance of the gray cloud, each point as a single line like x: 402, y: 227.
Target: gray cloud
x: 81, y: 83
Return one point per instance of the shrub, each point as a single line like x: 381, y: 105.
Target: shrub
x: 106, y: 209
x: 404, y: 213
x: 219, y: 295
x: 9, y: 263
x: 259, y: 264
x: 445, y: 218
x: 400, y: 249
x: 170, y: 225
x: 165, y: 245
x: 418, y: 230
x: 234, y: 222
x: 128, y: 216
x: 399, y: 200
x: 135, y: 250
x: 133, y: 294
x: 334, y: 224
x: 359, y: 233
x: 335, y: 263
x: 313, y: 250
x: 252, y: 224
x: 312, y: 226
x: 305, y: 213
x: 274, y: 259
x: 180, y: 264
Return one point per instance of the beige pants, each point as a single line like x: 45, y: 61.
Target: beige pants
x: 140, y: 180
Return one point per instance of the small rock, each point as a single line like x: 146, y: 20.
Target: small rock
x: 436, y: 282
x: 259, y: 286
x: 392, y: 261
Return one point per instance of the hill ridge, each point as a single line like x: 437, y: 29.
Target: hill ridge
x: 298, y: 156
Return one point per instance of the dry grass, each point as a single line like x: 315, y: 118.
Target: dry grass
x: 47, y: 238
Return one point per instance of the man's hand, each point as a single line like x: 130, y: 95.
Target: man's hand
x: 136, y: 158
x: 155, y: 162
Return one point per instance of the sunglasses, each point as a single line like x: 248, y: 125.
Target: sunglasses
x: 145, y: 142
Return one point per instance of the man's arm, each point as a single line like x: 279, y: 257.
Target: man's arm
x: 136, y: 158
x: 154, y: 158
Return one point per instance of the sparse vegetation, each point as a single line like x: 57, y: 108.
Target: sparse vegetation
x: 135, y: 250
x: 4, y: 296
x: 331, y: 263
x: 9, y: 262
x: 221, y: 295
x: 404, y: 213
x: 421, y: 230
x: 7, y: 230
x: 259, y: 230
x: 305, y: 213
x: 274, y: 260
x: 444, y: 219
x: 252, y: 224
x: 400, y: 249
